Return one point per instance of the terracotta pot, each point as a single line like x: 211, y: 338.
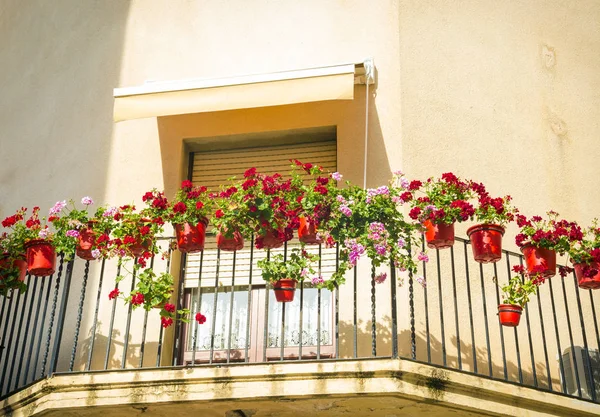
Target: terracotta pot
x: 307, y: 232
x: 540, y: 259
x: 230, y: 244
x: 271, y: 240
x: 41, y: 257
x: 284, y: 290
x: 588, y: 283
x: 439, y: 235
x: 7, y: 263
x: 85, y: 244
x: 510, y: 315
x: 139, y: 248
x: 190, y: 238
x: 486, y: 241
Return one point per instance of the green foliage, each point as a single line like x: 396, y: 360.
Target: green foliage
x: 518, y: 290
x: 298, y: 266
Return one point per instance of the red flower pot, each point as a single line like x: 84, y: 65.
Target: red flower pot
x: 439, y: 235
x: 284, y: 290
x: 137, y: 249
x: 230, y: 244
x: 486, y: 241
x: 307, y: 232
x: 41, y: 257
x: 190, y: 238
x: 271, y: 240
x: 7, y: 263
x: 539, y: 260
x: 588, y: 283
x: 85, y: 244
x: 510, y: 315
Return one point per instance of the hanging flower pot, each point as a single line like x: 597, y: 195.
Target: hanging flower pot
x: 41, y: 257
x: 236, y: 242
x: 85, y: 243
x: 284, y: 290
x: 137, y: 249
x: 486, y: 241
x: 510, y: 315
x: 272, y: 239
x: 307, y: 232
x: 539, y: 260
x: 439, y: 235
x: 583, y: 272
x: 190, y: 238
x: 8, y: 263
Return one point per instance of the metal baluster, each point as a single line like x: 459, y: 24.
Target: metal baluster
x: 112, y: 320
x: 266, y: 329
x: 33, y: 333
x: 128, y: 325
x: 426, y: 307
x: 27, y: 327
x: 5, y: 302
x: 440, y: 300
x: 394, y: 311
x: 564, y: 291
x: 468, y: 281
x: 485, y: 318
x: 319, y: 311
x: 6, y: 347
x: 544, y: 339
x: 283, y: 312
x: 214, y: 315
x: 16, y: 342
x: 144, y: 327
x: 94, y: 326
x: 180, y: 302
x: 560, y: 360
x: 61, y: 318
x: 355, y: 318
x: 248, y: 317
x: 79, y: 314
x: 585, y: 342
x: 52, y: 314
x: 595, y: 319
x: 534, y: 371
x: 411, y: 304
x: 198, y: 305
x: 373, y: 315
x: 517, y: 348
x: 458, y: 354
x: 301, y: 319
x: 231, y: 308
x: 41, y: 333
x: 500, y: 326
x: 161, y: 331
x: 337, y: 304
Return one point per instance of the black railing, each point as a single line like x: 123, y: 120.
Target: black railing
x: 66, y: 323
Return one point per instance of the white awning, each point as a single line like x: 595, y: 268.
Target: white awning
x: 195, y: 96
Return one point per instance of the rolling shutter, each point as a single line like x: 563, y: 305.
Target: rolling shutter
x: 213, y: 168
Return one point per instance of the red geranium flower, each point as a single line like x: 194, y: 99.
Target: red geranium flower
x: 170, y: 308
x: 166, y: 321
x: 114, y: 294
x: 219, y: 213
x: 200, y: 318
x: 137, y: 299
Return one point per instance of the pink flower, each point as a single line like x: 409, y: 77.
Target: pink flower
x: 317, y: 280
x: 72, y: 233
x: 87, y: 201
x: 58, y: 207
x: 422, y: 257
x: 346, y: 211
x: 336, y: 176
x: 421, y: 280
x: 380, y: 278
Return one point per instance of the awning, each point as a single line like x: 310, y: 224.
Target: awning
x: 195, y: 96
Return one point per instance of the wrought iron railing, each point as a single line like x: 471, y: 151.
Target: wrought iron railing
x: 66, y: 323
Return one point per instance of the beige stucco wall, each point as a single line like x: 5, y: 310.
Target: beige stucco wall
x: 503, y: 92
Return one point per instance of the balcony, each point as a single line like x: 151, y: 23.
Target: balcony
x: 65, y: 347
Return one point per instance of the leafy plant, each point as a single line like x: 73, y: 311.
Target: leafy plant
x: 552, y: 234
x: 134, y: 232
x: 586, y: 250
x: 492, y: 210
x: 191, y: 204
x: 297, y: 266
x: 520, y: 287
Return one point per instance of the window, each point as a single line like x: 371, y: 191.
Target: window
x: 228, y: 287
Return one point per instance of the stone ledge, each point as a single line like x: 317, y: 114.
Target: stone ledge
x: 311, y: 386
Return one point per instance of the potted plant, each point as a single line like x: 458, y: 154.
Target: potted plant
x: 38, y: 244
x: 133, y: 234
x: 283, y: 273
x: 13, y: 267
x: 438, y: 204
x: 313, y: 199
x: 232, y: 216
x: 94, y: 237
x: 515, y: 295
x: 540, y: 240
x: 585, y: 257
x: 153, y: 291
x: 188, y: 212
x: 491, y: 215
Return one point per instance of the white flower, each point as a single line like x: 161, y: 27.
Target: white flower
x: 336, y: 176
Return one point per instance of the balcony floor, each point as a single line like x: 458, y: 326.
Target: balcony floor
x: 378, y: 387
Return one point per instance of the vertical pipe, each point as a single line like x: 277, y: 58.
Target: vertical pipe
x: 560, y: 360
x: 61, y: 318
x: 198, y: 305
x: 249, y: 306
x: 128, y: 325
x: 394, y: 311
x: 585, y: 342
x: 112, y: 320
x: 458, y: 354
x: 79, y: 315
x: 485, y: 318
x: 214, y: 313
x: 441, y: 302
x: 94, y: 326
x: 473, y: 349
x: 231, y: 308
x: 564, y: 291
